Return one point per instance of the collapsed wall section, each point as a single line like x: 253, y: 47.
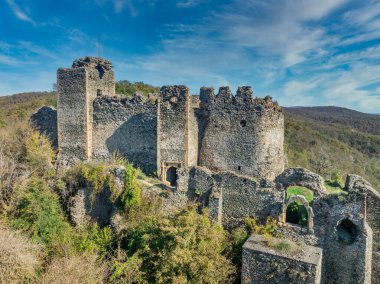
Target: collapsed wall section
x: 242, y: 134
x: 355, y: 182
x: 126, y: 126
x: 343, y: 233
x: 44, y: 120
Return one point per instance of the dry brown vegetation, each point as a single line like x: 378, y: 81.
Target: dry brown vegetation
x: 79, y: 269
x: 19, y: 258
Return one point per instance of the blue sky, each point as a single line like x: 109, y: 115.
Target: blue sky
x: 301, y: 52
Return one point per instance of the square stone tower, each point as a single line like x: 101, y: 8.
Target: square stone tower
x: 78, y: 86
x: 175, y: 133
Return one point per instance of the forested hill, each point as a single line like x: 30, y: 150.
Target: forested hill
x: 323, y: 139
x: 327, y: 139
x: 364, y: 122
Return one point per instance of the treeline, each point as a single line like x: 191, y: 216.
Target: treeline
x: 129, y: 89
x: 351, y: 119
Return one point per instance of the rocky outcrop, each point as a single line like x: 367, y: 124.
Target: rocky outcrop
x: 44, y: 120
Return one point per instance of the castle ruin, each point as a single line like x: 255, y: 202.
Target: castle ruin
x: 225, y: 152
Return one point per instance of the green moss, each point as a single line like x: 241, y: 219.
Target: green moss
x: 300, y: 190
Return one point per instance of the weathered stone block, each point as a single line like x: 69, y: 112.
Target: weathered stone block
x: 265, y: 264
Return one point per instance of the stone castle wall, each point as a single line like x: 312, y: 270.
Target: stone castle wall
x: 127, y: 126
x: 231, y: 197
x: 224, y: 132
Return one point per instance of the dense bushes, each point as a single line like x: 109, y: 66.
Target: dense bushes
x: 39, y: 213
x: 184, y: 248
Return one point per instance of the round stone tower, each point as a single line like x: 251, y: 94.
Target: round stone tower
x: 242, y: 134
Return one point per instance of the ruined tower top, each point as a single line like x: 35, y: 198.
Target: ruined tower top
x: 92, y: 62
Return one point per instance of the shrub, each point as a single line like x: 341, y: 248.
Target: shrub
x: 19, y: 258
x: 184, y: 248
x: 95, y: 240
x: 269, y: 228
x: 131, y: 195
x: 75, y: 269
x: 39, y: 213
x: 39, y: 153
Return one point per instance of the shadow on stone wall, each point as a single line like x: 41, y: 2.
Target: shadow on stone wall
x: 136, y: 140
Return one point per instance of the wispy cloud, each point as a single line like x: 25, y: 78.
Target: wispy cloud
x: 121, y: 5
x: 189, y: 3
x: 18, y: 12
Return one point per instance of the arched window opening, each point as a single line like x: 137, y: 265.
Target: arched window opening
x: 243, y: 123
x: 171, y: 176
x: 347, y: 231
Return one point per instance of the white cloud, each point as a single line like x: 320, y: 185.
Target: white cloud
x: 18, y: 12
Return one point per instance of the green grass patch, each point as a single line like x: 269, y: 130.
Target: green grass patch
x: 300, y: 190
x: 334, y: 188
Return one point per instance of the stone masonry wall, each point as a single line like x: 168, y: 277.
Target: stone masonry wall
x: 263, y: 264
x: 373, y: 219
x: 346, y: 239
x: 127, y: 126
x: 173, y: 113
x: 78, y: 86
x: 242, y: 134
x: 232, y: 197
x: 72, y: 114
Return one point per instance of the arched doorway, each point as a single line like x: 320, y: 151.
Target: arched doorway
x: 171, y: 176
x: 292, y: 212
x: 296, y: 213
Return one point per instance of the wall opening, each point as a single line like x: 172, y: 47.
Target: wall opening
x: 243, y: 123
x: 297, y: 214
x: 347, y: 231
x: 297, y: 211
x: 171, y: 176
x: 99, y: 92
x: 239, y: 168
x: 100, y: 70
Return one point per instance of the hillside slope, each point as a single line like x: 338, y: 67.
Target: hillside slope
x: 319, y: 138
x: 326, y: 139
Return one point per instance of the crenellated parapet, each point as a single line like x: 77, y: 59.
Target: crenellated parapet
x: 243, y: 100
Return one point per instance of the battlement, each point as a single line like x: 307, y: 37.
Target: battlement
x: 243, y: 99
